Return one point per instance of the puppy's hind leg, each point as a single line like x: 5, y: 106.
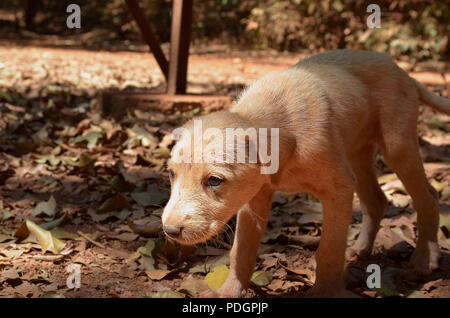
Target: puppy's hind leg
x: 373, y: 201
x: 404, y: 159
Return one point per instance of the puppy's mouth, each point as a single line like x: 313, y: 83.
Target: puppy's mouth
x: 191, y: 236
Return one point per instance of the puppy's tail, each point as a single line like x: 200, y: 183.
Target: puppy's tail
x: 439, y: 103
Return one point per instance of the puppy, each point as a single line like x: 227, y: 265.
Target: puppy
x: 333, y: 111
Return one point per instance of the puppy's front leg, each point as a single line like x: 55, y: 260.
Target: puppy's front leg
x: 330, y: 257
x: 251, y: 223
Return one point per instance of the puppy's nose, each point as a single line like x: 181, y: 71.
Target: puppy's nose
x: 173, y: 231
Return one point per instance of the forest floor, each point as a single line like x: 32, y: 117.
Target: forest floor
x: 98, y: 185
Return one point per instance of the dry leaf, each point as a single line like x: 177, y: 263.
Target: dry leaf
x: 47, y: 208
x: 217, y: 277
x: 261, y: 278
x: 166, y: 294
x: 193, y: 286
x: 158, y: 274
x: 46, y: 239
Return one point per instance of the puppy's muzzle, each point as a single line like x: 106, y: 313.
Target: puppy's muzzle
x: 173, y: 231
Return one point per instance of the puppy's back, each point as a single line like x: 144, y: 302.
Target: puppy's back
x: 376, y: 70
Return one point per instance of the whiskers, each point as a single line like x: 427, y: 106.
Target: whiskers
x: 226, y: 230
x: 194, y: 237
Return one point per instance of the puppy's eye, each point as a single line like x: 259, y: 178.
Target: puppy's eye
x: 171, y: 175
x: 213, y: 182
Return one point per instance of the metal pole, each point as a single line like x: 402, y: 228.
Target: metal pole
x: 179, y: 46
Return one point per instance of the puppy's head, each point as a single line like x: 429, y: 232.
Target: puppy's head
x: 206, y: 190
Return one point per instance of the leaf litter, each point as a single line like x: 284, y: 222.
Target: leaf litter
x: 67, y: 171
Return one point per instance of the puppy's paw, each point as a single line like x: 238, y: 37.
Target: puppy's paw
x: 425, y: 258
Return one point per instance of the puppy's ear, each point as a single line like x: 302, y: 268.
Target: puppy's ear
x: 281, y: 149
x: 244, y: 144
x: 251, y: 149
x: 270, y: 149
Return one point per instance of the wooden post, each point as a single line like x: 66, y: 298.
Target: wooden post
x: 148, y: 36
x: 179, y: 46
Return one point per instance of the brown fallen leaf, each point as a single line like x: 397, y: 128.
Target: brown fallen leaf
x: 4, y: 238
x: 127, y: 271
x: 116, y: 203
x: 12, y: 253
x: 192, y: 286
x: 268, y: 262
x: 403, y: 233
x: 48, y: 208
x: 153, y: 196
x: 261, y: 278
x: 310, y: 275
x: 392, y: 242
x: 46, y: 240
x: 126, y: 237
x: 27, y: 289
x: 292, y: 285
x: 136, y: 174
x: 9, y: 274
x: 429, y: 286
x: 100, y: 217
x: 22, y: 232
x: 158, y: 274
x: 166, y: 294
x: 276, y: 285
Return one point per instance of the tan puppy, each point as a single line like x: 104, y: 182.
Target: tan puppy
x: 333, y: 111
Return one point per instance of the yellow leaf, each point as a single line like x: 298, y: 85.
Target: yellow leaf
x: 387, y: 178
x: 217, y: 277
x: 445, y: 193
x: 444, y: 221
x: 439, y: 186
x: 46, y: 239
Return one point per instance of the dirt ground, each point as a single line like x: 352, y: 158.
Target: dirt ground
x: 98, y: 185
